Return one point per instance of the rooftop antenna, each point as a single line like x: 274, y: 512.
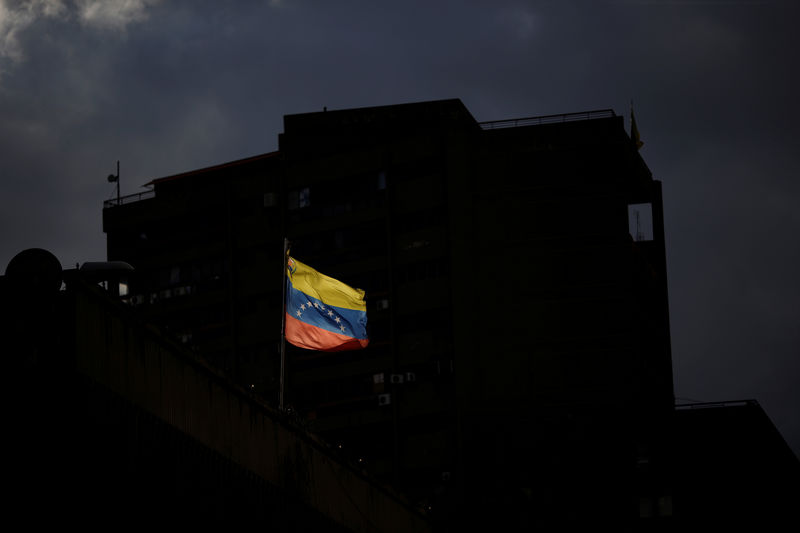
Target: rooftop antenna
x: 115, y: 179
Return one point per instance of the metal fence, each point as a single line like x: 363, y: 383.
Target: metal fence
x: 707, y: 405
x: 129, y: 199
x: 547, y: 119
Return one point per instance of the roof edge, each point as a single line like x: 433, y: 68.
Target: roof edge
x: 212, y: 168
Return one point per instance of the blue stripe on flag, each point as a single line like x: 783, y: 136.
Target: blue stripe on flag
x: 312, y: 311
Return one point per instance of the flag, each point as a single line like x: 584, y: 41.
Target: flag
x: 323, y: 313
x: 635, y: 131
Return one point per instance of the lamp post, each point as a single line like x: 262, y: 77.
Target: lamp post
x: 115, y: 179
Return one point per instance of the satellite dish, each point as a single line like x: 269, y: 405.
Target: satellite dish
x: 114, y: 178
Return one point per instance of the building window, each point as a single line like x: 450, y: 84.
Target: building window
x: 305, y: 197
x: 434, y: 269
x: 640, y: 221
x: 299, y: 198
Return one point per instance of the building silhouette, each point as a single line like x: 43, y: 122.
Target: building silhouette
x: 732, y: 468
x: 519, y: 366
x: 109, y: 425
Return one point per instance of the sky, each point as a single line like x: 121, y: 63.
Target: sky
x: 170, y: 86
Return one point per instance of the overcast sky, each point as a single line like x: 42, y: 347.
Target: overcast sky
x: 171, y: 86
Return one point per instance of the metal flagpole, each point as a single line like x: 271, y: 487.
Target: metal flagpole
x: 283, y: 320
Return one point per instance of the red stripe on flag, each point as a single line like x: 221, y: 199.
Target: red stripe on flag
x: 312, y: 337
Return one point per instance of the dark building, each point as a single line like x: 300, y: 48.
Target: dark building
x: 733, y: 469
x: 109, y: 425
x: 519, y: 366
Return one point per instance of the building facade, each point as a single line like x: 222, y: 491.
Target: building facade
x: 109, y: 424
x: 519, y: 366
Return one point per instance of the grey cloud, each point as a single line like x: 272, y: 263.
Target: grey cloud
x: 116, y: 14
x: 16, y: 18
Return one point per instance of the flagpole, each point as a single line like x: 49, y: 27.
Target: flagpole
x: 283, y: 321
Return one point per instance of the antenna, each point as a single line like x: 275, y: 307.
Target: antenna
x: 115, y: 179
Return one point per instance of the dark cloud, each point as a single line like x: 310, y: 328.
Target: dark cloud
x: 170, y: 86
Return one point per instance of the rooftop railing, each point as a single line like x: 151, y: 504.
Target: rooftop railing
x: 547, y: 119
x: 129, y: 199
x: 707, y: 405
x: 489, y: 125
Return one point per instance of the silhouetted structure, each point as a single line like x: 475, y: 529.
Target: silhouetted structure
x: 733, y: 470
x: 109, y: 425
x: 519, y: 370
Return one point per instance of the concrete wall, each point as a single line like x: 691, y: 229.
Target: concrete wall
x: 135, y: 362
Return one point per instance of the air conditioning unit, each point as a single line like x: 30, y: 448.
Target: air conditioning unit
x: 410, y: 376
x: 384, y: 399
x: 377, y: 378
x: 397, y: 378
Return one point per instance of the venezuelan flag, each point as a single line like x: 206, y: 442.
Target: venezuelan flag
x: 323, y: 313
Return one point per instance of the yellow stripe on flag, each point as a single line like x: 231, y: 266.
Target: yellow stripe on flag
x: 324, y: 288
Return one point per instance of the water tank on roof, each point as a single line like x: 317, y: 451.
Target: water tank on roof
x: 34, y: 271
x: 113, y: 275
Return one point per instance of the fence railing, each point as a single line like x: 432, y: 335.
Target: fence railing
x: 707, y: 405
x: 129, y: 199
x: 547, y: 119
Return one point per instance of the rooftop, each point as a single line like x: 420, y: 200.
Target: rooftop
x: 487, y: 125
